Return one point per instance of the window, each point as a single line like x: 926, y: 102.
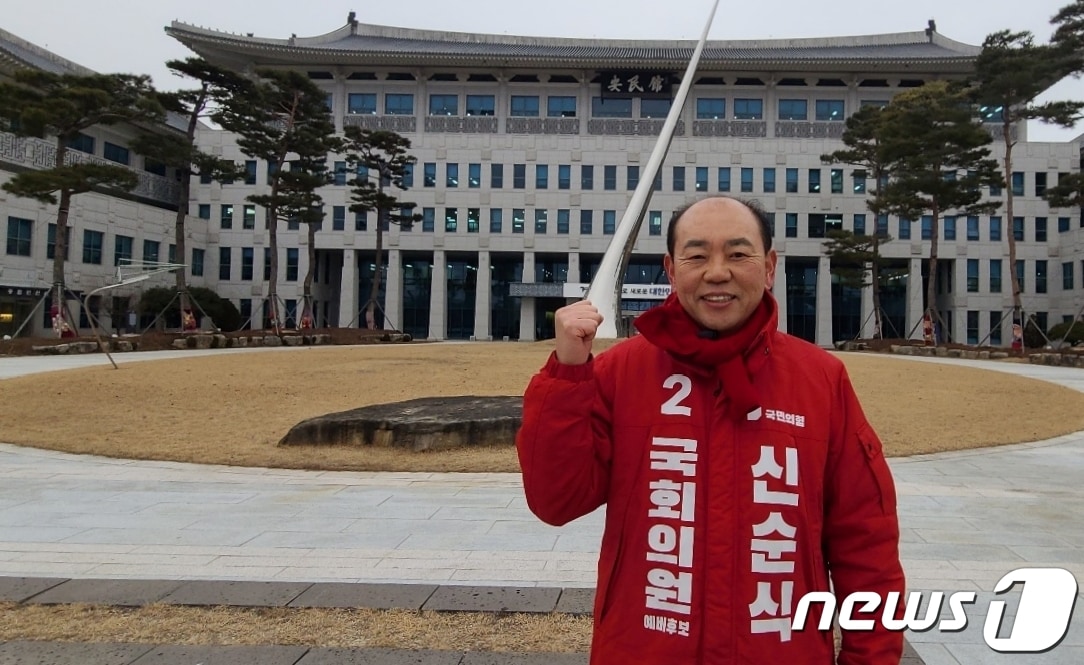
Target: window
x: 905, y: 229
x: 292, y: 259
x: 609, y: 222
x: 429, y: 174
x: 972, y: 275
x: 224, y: 263
x: 204, y: 211
x: 1018, y: 228
x: 657, y: 184
x: 815, y: 226
x: 587, y: 223
x: 20, y: 232
x: 519, y: 176
x: 679, y: 178
x: 792, y: 181
x: 1040, y: 229
x: 972, y: 227
x: 564, y: 176
x: 92, y: 246
x: 519, y: 218
x: 1018, y: 183
x: 769, y: 180
x: 248, y: 219
x: 995, y: 229
x: 927, y: 227
x: 480, y: 105
x: 541, y: 176
x: 791, y: 230
x: 748, y: 109
x: 814, y: 181
x: 950, y: 228
x: 724, y: 179
x: 995, y: 328
x: 587, y: 177
x: 563, y: 217
x: 443, y: 104
x: 122, y: 250
x: 609, y: 177
x: 398, y: 104
x: 197, y: 262
x: 250, y: 171
x: 793, y: 109
x: 654, y: 225
x: 474, y: 176
x: 560, y: 106
x: 992, y: 113
x: 828, y: 110
x: 1040, y: 183
x: 859, y: 182
x: 995, y: 190
x: 746, y: 179
x: 339, y: 174
x: 524, y: 106
x: 882, y: 226
x: 496, y: 176
x: 837, y: 181
x: 408, y: 175
x: 860, y: 225
x: 50, y: 242
x: 82, y: 143
x: 1021, y: 266
x: 541, y: 220
x: 329, y: 101
x: 338, y: 218
x: 429, y: 216
x: 1067, y: 280
x: 701, y: 178
x: 611, y: 108
x: 248, y: 262
x: 116, y: 153
x: 361, y: 221
x: 1040, y: 276
x: 151, y: 166
x: 632, y: 177
x: 474, y: 219
x: 708, y: 108
x: 496, y: 220
x: 1063, y: 224
x: 361, y: 103
x: 654, y: 108
x: 451, y: 220
x: 451, y: 175
x: 151, y: 249
x: 995, y: 275
x: 972, y: 326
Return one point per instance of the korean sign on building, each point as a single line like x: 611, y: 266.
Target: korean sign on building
x: 628, y: 291
x: 646, y: 84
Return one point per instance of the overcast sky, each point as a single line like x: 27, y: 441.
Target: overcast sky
x: 128, y: 36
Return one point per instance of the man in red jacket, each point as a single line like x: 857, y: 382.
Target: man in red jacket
x: 737, y: 468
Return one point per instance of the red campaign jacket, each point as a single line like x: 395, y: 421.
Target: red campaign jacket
x: 715, y: 528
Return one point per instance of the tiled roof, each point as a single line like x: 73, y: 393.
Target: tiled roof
x: 19, y: 53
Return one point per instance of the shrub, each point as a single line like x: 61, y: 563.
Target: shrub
x: 1074, y: 329
x: 155, y: 300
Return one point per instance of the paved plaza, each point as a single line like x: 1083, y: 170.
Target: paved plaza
x: 967, y: 518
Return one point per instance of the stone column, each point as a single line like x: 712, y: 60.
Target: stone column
x: 483, y: 299
x: 348, y: 290
x: 914, y: 300
x: 779, y: 290
x: 869, y: 321
x: 526, y: 305
x: 824, y: 301
x: 959, y: 300
x: 438, y: 297
x: 573, y: 267
x: 393, y: 291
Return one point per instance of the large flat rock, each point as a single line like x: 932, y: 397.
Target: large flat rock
x: 419, y: 424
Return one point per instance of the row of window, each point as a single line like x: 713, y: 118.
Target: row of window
x: 994, y: 275
x: 20, y: 241
x: 248, y: 258
x: 113, y: 152
x: 820, y: 225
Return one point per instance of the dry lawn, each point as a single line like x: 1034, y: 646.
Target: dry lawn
x: 233, y: 409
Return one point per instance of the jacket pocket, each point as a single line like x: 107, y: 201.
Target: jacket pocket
x: 878, y: 467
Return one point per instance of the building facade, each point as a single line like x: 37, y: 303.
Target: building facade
x: 528, y: 150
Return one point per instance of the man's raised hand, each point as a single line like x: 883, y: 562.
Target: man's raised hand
x: 575, y: 326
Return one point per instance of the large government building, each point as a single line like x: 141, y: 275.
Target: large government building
x: 528, y: 150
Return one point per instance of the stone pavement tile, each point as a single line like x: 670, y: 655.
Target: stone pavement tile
x: 221, y: 655
x: 478, y: 658
x: 935, y: 654
x: 18, y: 589
x: 380, y: 657
x: 70, y: 653
x: 976, y: 654
x: 123, y: 593
x: 576, y: 601
x: 371, y: 596
x: 246, y: 594
x: 493, y: 599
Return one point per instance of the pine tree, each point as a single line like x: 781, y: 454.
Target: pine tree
x: 385, y: 158
x: 938, y: 157
x: 282, y: 115
x: 61, y: 106
x: 180, y: 151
